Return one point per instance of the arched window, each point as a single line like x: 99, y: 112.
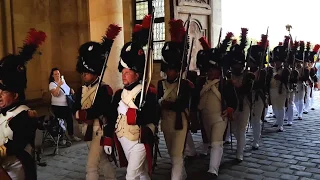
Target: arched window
x: 144, y: 7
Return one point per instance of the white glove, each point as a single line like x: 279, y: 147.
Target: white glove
x: 107, y: 149
x: 122, y: 108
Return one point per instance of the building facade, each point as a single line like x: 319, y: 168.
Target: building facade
x: 69, y: 23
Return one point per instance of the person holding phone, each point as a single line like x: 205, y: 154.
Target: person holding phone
x: 59, y: 89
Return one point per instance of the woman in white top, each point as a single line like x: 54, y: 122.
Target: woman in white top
x: 59, y: 103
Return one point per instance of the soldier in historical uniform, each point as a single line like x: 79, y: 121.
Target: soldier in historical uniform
x: 313, y: 74
x: 17, y: 122
x: 174, y: 105
x: 93, y: 102
x: 312, y: 79
x: 134, y: 125
x: 303, y: 77
x: 258, y: 54
x: 278, y: 84
x: 214, y: 101
x: 242, y: 81
x: 293, y: 80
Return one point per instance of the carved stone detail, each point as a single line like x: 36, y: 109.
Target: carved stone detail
x: 194, y: 3
x: 196, y: 31
x: 198, y: 1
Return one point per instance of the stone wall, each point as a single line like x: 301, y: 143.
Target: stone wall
x: 66, y: 26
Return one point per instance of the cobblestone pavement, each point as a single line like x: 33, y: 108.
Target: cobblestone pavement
x: 293, y: 154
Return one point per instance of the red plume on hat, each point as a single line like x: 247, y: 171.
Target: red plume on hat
x: 280, y: 44
x: 316, y: 48
x: 141, y: 32
x: 243, y: 41
x: 286, y: 41
x: 204, y: 43
x: 111, y: 33
x: 177, y: 30
x: 33, y: 40
x: 264, y: 41
x: 145, y: 24
x: 226, y: 42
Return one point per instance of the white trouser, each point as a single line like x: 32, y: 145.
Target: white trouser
x: 175, y: 141
x: 308, y: 99
x: 178, y: 171
x: 239, y: 125
x: 13, y: 167
x: 228, y: 135
x: 299, y: 98
x: 215, y: 127
x: 135, y: 153
x: 97, y: 156
x: 215, y: 156
x: 289, y: 112
x: 312, y: 98
x: 190, y: 149
x: 278, y: 104
x: 266, y: 111
x: 256, y: 114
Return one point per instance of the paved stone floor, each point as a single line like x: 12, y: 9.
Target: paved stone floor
x: 293, y: 154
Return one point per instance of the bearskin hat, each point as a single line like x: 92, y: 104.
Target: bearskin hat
x: 207, y: 57
x: 236, y: 55
x: 93, y: 55
x: 13, y: 67
x: 280, y: 52
x: 172, y: 51
x: 132, y: 54
x: 257, y: 51
x: 293, y: 52
x: 212, y: 57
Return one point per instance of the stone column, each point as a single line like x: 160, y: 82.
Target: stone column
x: 101, y: 14
x: 216, y: 22
x: 6, y: 36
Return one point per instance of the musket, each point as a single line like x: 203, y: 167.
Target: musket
x: 113, y: 28
x: 184, y: 53
x: 156, y: 151
x: 147, y: 72
x: 248, y: 57
x: 220, y: 34
x: 189, y: 59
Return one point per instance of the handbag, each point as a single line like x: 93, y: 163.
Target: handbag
x: 69, y: 98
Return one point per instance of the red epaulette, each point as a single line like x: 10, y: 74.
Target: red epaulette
x: 152, y: 90
x: 110, y: 91
x: 151, y: 85
x: 32, y: 113
x: 190, y: 84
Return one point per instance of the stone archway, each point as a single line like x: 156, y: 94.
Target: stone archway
x: 196, y: 31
